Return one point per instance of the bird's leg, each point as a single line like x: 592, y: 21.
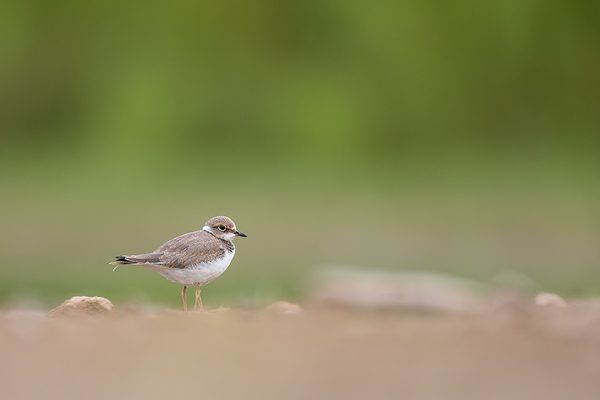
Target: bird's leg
x: 198, y: 298
x: 184, y: 297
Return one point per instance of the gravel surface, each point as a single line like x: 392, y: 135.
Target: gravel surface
x: 510, y: 352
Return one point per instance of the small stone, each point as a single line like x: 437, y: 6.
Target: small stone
x: 549, y: 300
x: 284, y: 307
x: 83, y: 305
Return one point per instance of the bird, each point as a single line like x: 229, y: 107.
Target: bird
x: 194, y: 259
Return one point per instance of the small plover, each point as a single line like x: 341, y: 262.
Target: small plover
x: 194, y: 259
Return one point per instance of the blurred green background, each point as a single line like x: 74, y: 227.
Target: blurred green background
x: 458, y: 137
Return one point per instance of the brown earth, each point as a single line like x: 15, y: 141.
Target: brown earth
x: 510, y: 352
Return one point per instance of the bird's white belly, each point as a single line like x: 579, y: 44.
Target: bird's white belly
x: 196, y: 274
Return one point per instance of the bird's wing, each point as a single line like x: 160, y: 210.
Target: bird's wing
x: 192, y: 248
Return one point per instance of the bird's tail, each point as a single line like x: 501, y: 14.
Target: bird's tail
x: 122, y: 260
x: 152, y: 258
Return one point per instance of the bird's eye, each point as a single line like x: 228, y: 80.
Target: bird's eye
x: 222, y: 228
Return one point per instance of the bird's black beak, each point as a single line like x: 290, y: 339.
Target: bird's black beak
x: 238, y: 233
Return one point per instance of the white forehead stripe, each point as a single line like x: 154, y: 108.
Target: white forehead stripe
x: 206, y: 228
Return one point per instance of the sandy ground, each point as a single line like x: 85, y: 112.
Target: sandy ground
x: 507, y: 353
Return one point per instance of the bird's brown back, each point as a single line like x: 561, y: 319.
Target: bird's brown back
x: 193, y: 248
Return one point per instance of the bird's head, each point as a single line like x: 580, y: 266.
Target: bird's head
x: 223, y: 228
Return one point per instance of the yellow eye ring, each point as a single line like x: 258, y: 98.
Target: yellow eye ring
x: 222, y: 228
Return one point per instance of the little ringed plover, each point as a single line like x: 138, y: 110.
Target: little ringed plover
x: 194, y: 259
